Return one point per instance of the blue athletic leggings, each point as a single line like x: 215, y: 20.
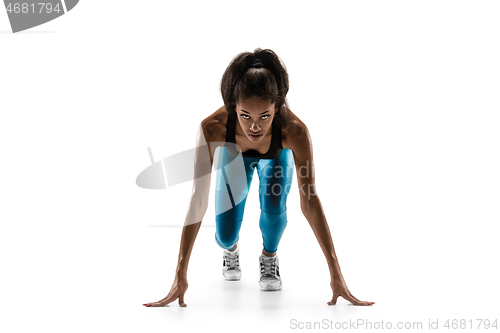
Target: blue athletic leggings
x: 234, y: 176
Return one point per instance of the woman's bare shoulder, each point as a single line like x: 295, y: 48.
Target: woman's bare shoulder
x: 294, y: 130
x: 214, y: 126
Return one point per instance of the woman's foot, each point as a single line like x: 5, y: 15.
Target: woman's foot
x: 270, y: 279
x: 231, y: 264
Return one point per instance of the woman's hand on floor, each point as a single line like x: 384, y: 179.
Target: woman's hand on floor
x: 339, y: 288
x: 178, y: 290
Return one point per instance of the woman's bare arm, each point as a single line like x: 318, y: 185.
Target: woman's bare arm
x: 198, y: 204
x: 313, y: 211
x: 197, y: 208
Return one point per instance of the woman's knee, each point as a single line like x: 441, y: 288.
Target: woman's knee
x: 226, y: 242
x: 226, y: 237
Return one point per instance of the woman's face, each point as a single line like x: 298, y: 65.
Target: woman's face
x: 255, y: 116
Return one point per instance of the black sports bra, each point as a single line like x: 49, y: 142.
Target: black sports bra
x: 274, y: 149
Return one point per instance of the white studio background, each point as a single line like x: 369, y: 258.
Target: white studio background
x: 400, y: 98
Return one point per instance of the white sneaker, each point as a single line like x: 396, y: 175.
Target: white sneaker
x: 231, y: 264
x: 270, y: 279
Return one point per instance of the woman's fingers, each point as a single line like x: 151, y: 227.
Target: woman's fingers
x: 361, y: 302
x: 349, y: 297
x: 165, y: 298
x: 177, y: 291
x: 334, y: 299
x: 181, y: 300
x: 168, y: 299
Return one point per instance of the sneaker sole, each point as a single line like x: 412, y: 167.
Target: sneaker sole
x: 232, y: 279
x: 270, y: 289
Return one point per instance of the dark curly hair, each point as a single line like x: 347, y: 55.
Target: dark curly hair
x: 242, y: 80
